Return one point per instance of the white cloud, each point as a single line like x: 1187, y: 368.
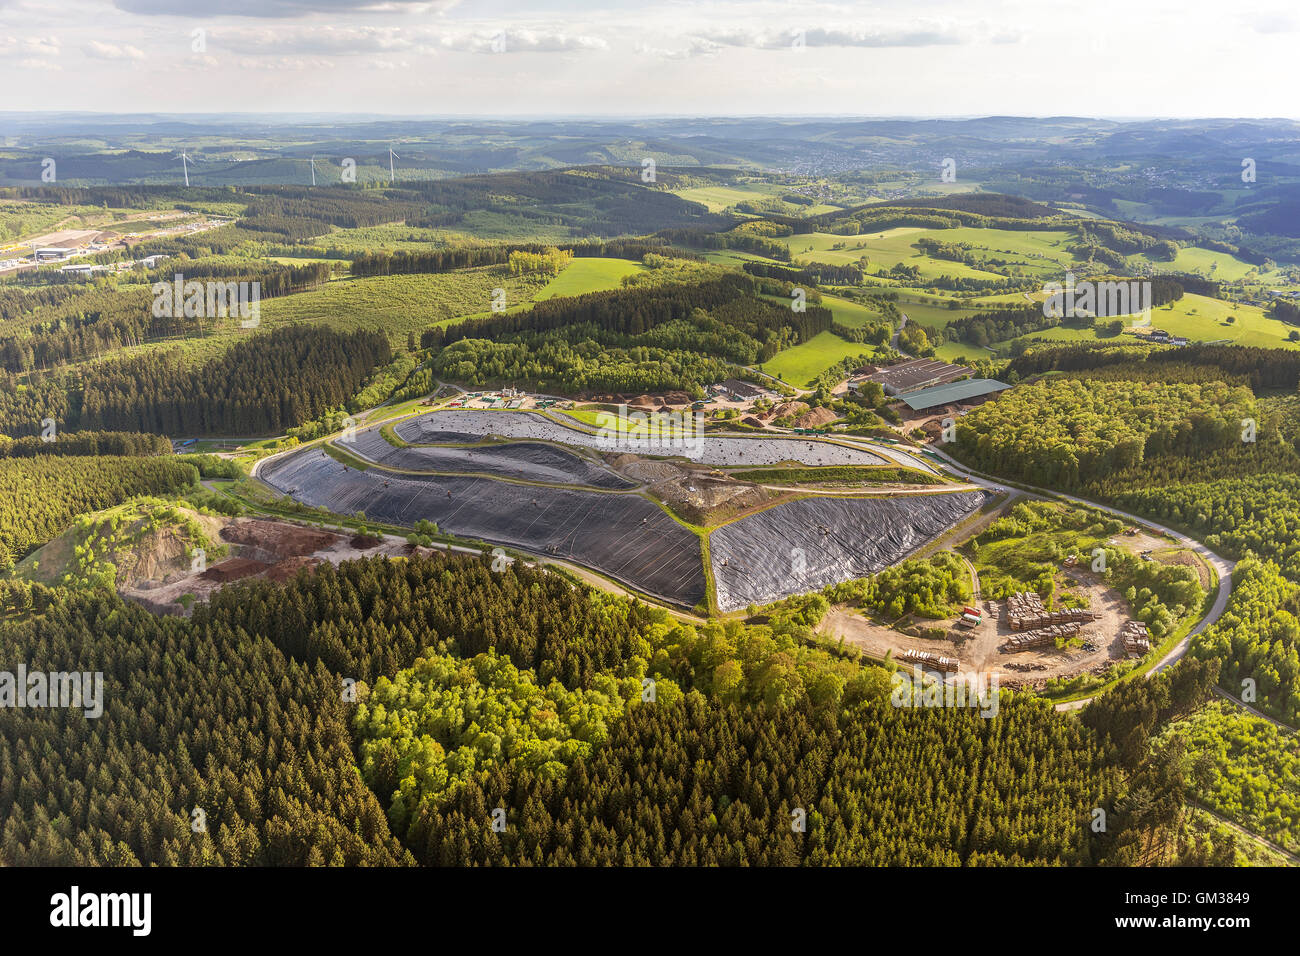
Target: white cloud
x: 522, y: 41
x: 696, y: 47
x: 29, y: 46
x: 360, y: 41
x: 279, y: 9
x: 320, y: 41
x: 912, y: 35
x: 1274, y: 23
x: 112, y: 51
x: 291, y: 64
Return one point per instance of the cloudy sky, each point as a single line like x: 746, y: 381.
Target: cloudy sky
x: 1115, y: 58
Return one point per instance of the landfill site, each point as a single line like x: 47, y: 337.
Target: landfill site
x: 706, y: 449
x: 525, y: 481
x: 812, y: 542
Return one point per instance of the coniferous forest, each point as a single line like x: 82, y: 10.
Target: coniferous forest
x: 243, y: 713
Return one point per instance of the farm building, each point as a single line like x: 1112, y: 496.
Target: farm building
x: 968, y: 390
x: 916, y: 374
x: 740, y: 391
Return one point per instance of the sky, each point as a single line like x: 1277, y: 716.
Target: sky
x: 1106, y: 58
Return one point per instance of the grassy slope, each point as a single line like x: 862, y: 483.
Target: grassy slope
x: 803, y: 363
x: 1201, y: 319
x: 1038, y: 253
x: 589, y: 275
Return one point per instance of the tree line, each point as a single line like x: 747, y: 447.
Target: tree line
x: 42, y: 495
x: 260, y: 385
x: 405, y: 262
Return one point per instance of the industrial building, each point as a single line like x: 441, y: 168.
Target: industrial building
x: 918, y: 373
x: 968, y: 390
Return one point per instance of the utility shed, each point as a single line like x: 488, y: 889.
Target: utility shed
x: 952, y: 392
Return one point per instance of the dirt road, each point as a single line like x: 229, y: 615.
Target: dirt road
x: 1222, y: 567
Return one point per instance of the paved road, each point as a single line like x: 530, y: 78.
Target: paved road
x: 1247, y: 833
x: 893, y: 339
x: 1222, y: 567
x: 1256, y: 713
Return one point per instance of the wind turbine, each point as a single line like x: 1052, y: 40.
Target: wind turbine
x: 313, y: 169
x: 185, y: 166
x: 391, y: 157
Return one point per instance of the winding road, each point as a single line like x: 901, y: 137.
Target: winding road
x: 1222, y: 567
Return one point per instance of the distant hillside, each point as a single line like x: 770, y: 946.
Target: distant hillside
x: 993, y: 205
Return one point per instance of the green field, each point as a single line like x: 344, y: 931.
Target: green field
x: 735, y: 258
x: 1031, y: 253
x: 300, y: 260
x: 961, y: 352
x: 384, y: 239
x: 1206, y: 262
x: 718, y: 198
x: 1201, y: 319
x: 928, y: 311
x: 397, y: 305
x: 590, y: 275
x: 802, y: 364
x: 848, y: 313
x: 1043, y: 255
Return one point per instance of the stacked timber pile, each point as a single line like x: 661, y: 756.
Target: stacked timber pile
x: 1025, y: 612
x: 934, y: 661
x: 1043, y: 636
x: 1135, y: 637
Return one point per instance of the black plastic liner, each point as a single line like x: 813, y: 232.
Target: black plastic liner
x: 810, y: 543
x: 621, y: 534
x: 712, y: 449
x: 529, y: 461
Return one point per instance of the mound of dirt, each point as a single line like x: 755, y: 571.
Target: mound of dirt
x: 287, y: 568
x: 160, y: 555
x: 233, y: 569
x: 933, y: 429
x: 784, y: 409
x: 707, y: 499
x: 815, y: 418
x: 272, y: 541
x: 640, y: 470
x: 364, y: 542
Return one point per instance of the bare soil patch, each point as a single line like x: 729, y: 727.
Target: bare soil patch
x: 815, y: 418
x: 1189, y: 558
x: 982, y: 649
x: 260, y: 548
